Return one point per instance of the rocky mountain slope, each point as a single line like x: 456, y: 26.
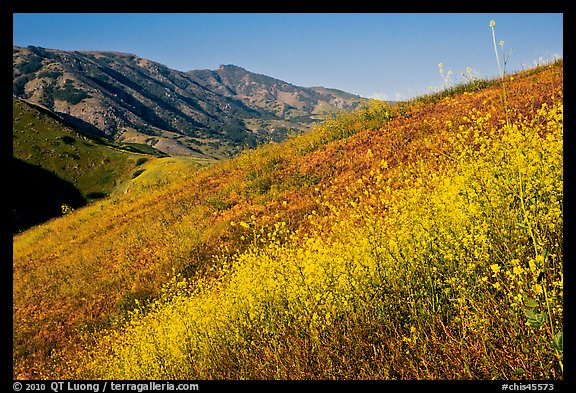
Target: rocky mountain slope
x: 202, y: 113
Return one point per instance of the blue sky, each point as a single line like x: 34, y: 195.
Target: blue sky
x: 387, y: 56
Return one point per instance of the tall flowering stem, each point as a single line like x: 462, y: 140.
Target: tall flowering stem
x: 492, y: 24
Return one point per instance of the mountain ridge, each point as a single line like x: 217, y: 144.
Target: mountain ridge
x: 125, y: 97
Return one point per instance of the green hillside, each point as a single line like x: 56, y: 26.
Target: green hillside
x: 419, y: 241
x: 54, y: 165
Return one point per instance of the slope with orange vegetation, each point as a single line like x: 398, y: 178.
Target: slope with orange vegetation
x: 87, y: 272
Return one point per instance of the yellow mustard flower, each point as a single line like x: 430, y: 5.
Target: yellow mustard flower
x: 537, y: 289
x: 495, y: 268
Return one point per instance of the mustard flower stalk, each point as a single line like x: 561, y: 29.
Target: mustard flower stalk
x: 492, y: 24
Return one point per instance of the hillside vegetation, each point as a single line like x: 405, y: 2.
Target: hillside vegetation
x: 420, y: 241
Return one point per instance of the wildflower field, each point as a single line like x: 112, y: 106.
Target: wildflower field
x: 417, y: 241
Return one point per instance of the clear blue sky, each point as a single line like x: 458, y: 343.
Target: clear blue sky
x: 388, y: 56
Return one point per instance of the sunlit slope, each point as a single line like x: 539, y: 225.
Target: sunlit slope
x: 379, y: 168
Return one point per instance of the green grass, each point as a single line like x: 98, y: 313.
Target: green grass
x: 44, y: 141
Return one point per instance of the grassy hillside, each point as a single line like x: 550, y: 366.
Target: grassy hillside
x: 422, y: 241
x: 55, y: 165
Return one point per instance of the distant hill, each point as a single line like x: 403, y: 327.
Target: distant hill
x: 201, y: 113
x: 278, y: 103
